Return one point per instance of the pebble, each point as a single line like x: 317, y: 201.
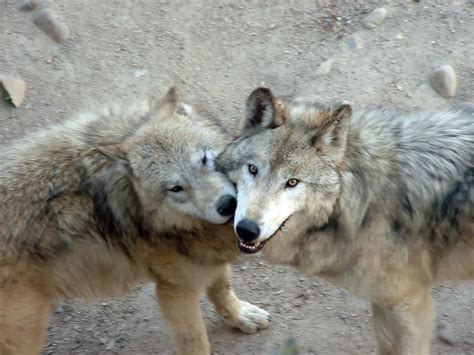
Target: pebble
x: 445, y: 333
x: 15, y: 89
x: 354, y: 42
x: 375, y: 18
x: 324, y: 68
x: 59, y: 310
x: 47, y: 22
x: 467, y: 105
x: 110, y: 345
x: 443, y: 80
x: 28, y: 5
x: 140, y: 73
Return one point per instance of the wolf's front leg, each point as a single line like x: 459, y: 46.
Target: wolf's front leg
x: 180, y: 308
x: 236, y: 313
x: 407, y: 328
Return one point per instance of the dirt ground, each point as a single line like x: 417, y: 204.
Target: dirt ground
x: 217, y: 51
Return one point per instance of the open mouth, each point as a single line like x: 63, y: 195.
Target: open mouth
x: 252, y: 248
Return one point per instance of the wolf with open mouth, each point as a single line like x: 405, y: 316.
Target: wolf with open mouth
x: 379, y: 202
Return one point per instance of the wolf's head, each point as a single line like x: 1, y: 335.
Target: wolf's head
x: 286, y: 166
x: 164, y: 173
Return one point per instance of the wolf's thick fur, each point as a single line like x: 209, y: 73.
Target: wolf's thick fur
x: 94, y: 205
x: 382, y: 203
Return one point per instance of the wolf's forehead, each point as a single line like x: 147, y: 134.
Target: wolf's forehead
x: 291, y: 150
x: 304, y: 106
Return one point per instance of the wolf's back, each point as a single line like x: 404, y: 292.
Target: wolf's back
x: 427, y: 164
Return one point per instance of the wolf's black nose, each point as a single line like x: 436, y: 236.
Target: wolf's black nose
x: 226, y: 205
x: 247, y: 230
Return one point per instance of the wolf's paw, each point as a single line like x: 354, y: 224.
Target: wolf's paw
x: 250, y: 318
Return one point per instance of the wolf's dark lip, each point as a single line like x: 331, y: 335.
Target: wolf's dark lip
x: 252, y: 248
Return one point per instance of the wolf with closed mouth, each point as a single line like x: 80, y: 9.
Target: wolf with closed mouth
x: 380, y: 202
x: 94, y: 205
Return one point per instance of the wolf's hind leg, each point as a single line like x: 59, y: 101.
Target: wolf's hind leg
x: 23, y: 320
x: 236, y: 313
x: 180, y: 308
x: 407, y: 328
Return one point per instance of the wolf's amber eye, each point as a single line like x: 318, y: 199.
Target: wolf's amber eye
x: 176, y: 188
x: 292, y: 183
x: 253, y: 169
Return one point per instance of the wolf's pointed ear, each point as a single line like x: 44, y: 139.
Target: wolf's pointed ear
x: 263, y: 110
x: 168, y: 104
x: 331, y: 132
x: 173, y: 97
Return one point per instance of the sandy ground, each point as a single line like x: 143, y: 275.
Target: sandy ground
x: 217, y: 51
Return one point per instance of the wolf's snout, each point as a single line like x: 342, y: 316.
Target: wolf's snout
x: 226, y: 205
x: 247, y: 230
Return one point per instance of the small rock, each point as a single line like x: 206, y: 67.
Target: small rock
x: 15, y: 89
x: 467, y: 106
x: 290, y: 348
x: 28, y: 5
x: 121, y: 341
x: 110, y: 345
x: 59, y: 310
x: 140, y: 72
x: 324, y: 68
x: 47, y: 22
x: 375, y: 18
x: 243, y: 268
x: 443, y: 80
x: 445, y: 333
x: 354, y: 42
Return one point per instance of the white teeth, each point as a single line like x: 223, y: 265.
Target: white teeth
x: 250, y: 246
